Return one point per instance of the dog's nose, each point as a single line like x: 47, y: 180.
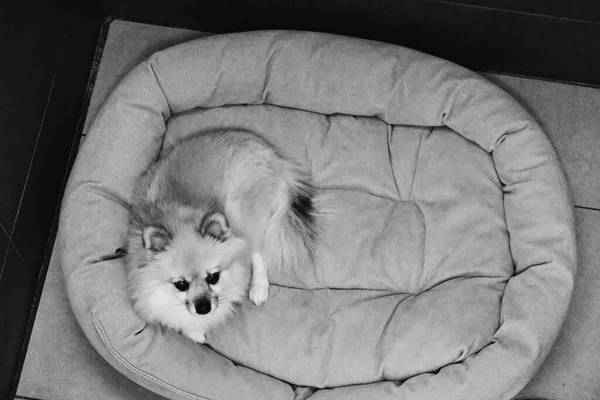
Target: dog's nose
x: 202, y: 305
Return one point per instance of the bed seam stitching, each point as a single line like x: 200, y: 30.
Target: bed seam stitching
x: 121, y: 359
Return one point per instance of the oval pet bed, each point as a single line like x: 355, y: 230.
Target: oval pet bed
x: 445, y: 270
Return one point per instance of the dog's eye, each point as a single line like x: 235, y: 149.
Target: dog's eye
x: 182, y: 285
x: 213, y: 278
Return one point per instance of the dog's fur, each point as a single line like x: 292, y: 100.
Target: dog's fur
x: 222, y: 201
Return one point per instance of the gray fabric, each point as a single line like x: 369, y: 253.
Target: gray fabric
x: 448, y: 262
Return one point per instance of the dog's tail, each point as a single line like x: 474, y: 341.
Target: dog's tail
x: 296, y: 225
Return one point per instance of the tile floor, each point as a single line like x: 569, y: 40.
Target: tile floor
x: 60, y: 364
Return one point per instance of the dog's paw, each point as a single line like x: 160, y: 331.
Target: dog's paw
x: 196, y: 337
x: 259, y: 292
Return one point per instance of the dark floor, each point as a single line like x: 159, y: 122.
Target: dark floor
x: 44, y: 69
x: 47, y: 57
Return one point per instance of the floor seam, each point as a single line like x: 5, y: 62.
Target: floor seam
x: 4, y: 230
x: 10, y: 242
x: 6, y: 251
x: 519, y: 12
x: 37, y: 139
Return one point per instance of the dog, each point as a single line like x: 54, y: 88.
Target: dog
x: 207, y: 222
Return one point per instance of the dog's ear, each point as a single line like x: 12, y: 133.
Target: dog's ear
x: 155, y: 239
x: 215, y: 225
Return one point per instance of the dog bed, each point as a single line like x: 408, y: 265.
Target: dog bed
x: 445, y: 269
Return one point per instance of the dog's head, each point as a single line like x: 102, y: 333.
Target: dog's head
x: 191, y: 262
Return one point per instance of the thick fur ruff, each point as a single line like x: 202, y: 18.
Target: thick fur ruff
x: 152, y: 273
x: 218, y: 205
